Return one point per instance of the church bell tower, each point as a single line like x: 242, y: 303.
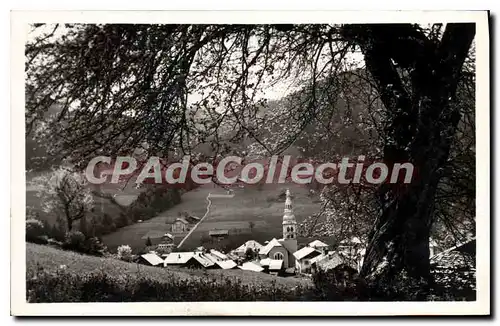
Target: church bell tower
x: 289, y: 224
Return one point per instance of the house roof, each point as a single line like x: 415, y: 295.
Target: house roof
x: 317, y: 244
x: 275, y: 264
x: 218, y: 254
x: 251, y: 266
x: 218, y: 232
x: 353, y: 240
x: 152, y: 258
x: 329, y: 262
x: 318, y: 258
x: 304, y: 252
x: 182, y: 220
x: 468, y: 247
x: 267, y: 248
x: 178, y: 257
x: 168, y: 235
x: 226, y: 264
x: 203, y: 260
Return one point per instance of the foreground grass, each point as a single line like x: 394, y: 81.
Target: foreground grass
x: 50, y: 259
x: 59, y: 276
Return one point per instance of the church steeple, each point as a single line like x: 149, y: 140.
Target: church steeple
x: 289, y: 222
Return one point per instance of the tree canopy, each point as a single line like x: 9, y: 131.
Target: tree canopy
x: 172, y: 89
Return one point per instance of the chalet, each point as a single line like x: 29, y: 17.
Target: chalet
x: 250, y: 244
x: 303, y: 259
x: 326, y: 261
x: 455, y: 267
x: 218, y: 234
x: 188, y: 259
x: 198, y: 260
x: 151, y: 259
x: 276, y: 267
x: 319, y: 245
x: 180, y: 225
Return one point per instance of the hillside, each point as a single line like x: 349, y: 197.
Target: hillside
x: 261, y: 207
x: 50, y: 260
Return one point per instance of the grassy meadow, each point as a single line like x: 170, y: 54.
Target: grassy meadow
x: 261, y: 207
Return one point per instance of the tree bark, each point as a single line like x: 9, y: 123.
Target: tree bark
x: 421, y: 121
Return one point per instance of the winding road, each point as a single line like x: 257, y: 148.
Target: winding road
x: 206, y: 214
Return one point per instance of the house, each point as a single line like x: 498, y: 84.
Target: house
x: 319, y: 245
x: 326, y: 261
x: 192, y: 219
x: 198, y: 260
x: 180, y: 225
x: 151, y: 259
x: 178, y: 259
x: 165, y: 248
x: 218, y: 234
x: 284, y: 248
x: 250, y: 244
x: 188, y: 259
x: 275, y: 267
x: 168, y: 238
x: 456, y: 267
x: 303, y: 259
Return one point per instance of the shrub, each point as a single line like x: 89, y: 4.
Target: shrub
x: 35, y: 231
x: 124, y: 252
x: 95, y: 247
x: 74, y: 240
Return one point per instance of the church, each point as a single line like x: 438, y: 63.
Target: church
x: 279, y: 252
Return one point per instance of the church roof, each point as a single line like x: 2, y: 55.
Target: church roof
x: 267, y: 248
x: 287, y: 245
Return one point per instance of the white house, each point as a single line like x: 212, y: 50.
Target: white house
x: 250, y: 244
x: 152, y: 259
x: 319, y: 245
x: 303, y: 259
x: 180, y: 225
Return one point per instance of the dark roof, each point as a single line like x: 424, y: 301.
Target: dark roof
x: 181, y: 219
x: 455, y: 268
x: 218, y: 232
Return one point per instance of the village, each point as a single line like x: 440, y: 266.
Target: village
x: 278, y: 256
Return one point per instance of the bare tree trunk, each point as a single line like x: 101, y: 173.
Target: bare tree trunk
x: 421, y: 122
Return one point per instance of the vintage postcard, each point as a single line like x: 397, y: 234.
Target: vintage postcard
x: 250, y: 163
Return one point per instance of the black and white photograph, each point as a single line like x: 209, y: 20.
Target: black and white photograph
x: 293, y: 163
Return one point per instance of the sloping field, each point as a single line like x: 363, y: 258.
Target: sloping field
x: 250, y: 214
x: 50, y: 259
